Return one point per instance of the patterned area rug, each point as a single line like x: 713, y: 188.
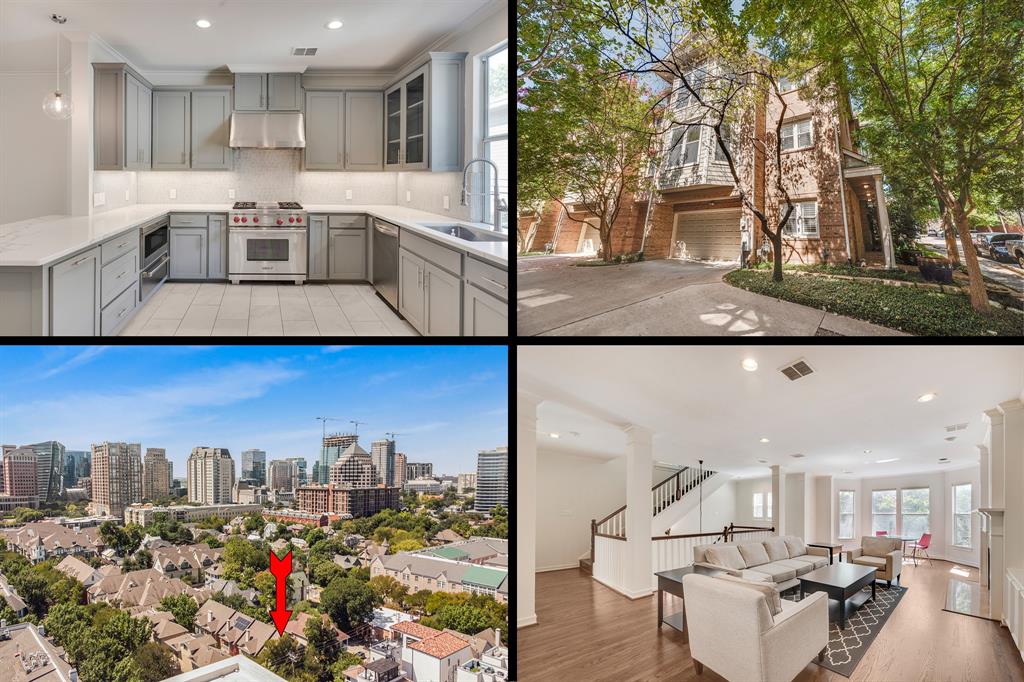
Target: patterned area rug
x: 847, y: 647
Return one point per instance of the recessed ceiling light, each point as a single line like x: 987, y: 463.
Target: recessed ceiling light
x: 554, y: 435
x: 764, y: 440
x: 926, y: 398
x: 750, y: 364
x: 333, y: 25
x: 867, y: 452
x: 203, y: 23
x: 886, y: 461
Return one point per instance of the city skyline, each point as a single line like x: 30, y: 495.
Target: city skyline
x: 446, y: 403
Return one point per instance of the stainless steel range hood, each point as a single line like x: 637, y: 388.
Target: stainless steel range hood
x: 270, y: 130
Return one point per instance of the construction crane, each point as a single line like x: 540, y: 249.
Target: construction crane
x: 356, y: 424
x: 324, y: 420
x: 392, y: 435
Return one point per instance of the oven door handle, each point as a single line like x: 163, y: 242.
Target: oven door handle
x: 147, y: 273
x: 287, y: 231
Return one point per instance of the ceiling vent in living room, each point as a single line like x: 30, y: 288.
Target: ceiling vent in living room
x: 797, y: 370
x: 956, y: 427
x: 798, y: 455
x: 303, y: 51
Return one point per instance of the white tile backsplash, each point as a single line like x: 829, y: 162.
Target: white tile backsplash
x: 114, y: 184
x: 427, y: 192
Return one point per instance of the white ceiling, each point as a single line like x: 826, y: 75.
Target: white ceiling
x: 701, y: 404
x: 161, y: 35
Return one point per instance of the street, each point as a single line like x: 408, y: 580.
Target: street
x: 1004, y: 273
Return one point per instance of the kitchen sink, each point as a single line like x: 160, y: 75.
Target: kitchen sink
x: 470, y: 234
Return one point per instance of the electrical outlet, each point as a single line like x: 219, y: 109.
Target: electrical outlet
x: 172, y: 194
x: 348, y: 194
x: 127, y: 195
x: 231, y: 194
x: 408, y: 195
x: 447, y: 202
x: 99, y: 198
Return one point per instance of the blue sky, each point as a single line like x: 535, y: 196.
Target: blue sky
x: 448, y: 401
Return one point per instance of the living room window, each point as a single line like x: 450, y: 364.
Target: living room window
x: 758, y: 505
x: 803, y: 221
x: 768, y: 507
x: 914, y: 511
x: 962, y: 515
x: 846, y: 515
x: 685, y: 146
x: 883, y: 511
x: 797, y: 135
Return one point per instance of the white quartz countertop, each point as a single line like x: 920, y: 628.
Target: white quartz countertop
x: 48, y: 239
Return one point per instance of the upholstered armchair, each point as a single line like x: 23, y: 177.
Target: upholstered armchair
x: 884, y: 553
x: 733, y: 632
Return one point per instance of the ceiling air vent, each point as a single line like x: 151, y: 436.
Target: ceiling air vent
x: 798, y: 455
x: 797, y: 370
x: 303, y: 51
x: 950, y: 439
x: 956, y: 427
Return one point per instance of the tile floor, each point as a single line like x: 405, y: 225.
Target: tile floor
x: 266, y: 309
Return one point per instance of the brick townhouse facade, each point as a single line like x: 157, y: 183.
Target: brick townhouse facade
x: 693, y: 210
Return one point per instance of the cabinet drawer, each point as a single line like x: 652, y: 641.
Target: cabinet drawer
x: 439, y: 255
x: 118, y: 275
x: 346, y: 221
x: 188, y: 219
x: 120, y: 310
x: 118, y: 246
x: 487, y: 277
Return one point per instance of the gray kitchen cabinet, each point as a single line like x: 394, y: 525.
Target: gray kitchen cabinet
x: 171, y: 129
x: 217, y: 244
x: 317, y: 247
x: 189, y: 253
x: 485, y: 315
x: 411, y: 295
x: 346, y: 256
x: 120, y: 310
x: 424, y: 116
x: 118, y: 275
x: 284, y: 92
x: 250, y: 91
x: 364, y: 131
x: 325, y: 130
x: 211, y: 120
x: 443, y: 296
x: 75, y: 295
x: 122, y: 120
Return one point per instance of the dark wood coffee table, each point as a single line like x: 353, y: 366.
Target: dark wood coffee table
x: 842, y: 582
x: 671, y: 581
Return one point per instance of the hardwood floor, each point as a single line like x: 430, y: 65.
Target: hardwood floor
x: 587, y: 631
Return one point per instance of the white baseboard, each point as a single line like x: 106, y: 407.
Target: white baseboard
x: 638, y: 594
x: 561, y: 567
x: 524, y: 621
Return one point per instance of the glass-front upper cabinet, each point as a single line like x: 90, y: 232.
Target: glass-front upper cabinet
x: 415, y: 115
x: 393, y: 127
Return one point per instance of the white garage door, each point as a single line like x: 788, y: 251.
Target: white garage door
x: 707, y: 235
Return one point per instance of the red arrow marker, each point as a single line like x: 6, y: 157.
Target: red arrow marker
x: 281, y: 569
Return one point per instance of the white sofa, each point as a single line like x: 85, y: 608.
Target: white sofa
x: 732, y: 631
x: 778, y: 560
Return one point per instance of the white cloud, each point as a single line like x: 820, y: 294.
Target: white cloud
x: 334, y: 349
x: 79, y: 359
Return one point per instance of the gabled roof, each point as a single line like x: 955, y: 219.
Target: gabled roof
x: 441, y: 645
x: 414, y: 629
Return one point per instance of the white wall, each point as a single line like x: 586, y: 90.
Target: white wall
x: 572, y: 490
x: 718, y: 511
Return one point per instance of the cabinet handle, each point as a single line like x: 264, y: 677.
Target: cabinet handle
x: 80, y: 260
x: 346, y: 159
x: 121, y: 275
x: 121, y: 314
x: 497, y: 284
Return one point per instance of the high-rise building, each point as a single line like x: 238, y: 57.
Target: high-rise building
x: 465, y: 483
x: 116, y: 476
x: 211, y: 474
x: 339, y: 500
x: 76, y: 466
x: 383, y: 454
x: 156, y: 474
x: 49, y: 470
x: 20, y: 472
x: 418, y: 470
x: 334, y: 445
x: 491, y: 479
x: 400, y: 460
x: 355, y: 468
x: 283, y: 474
x: 315, y: 477
x: 300, y: 464
x: 254, y: 466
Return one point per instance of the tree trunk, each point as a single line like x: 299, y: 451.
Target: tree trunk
x: 979, y: 295
x: 777, y: 249
x: 949, y: 232
x: 606, y: 240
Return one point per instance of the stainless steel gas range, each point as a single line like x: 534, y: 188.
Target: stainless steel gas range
x: 267, y: 241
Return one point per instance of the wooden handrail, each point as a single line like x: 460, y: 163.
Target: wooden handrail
x: 726, y: 531
x: 752, y: 527
x: 622, y: 508
x: 675, y: 475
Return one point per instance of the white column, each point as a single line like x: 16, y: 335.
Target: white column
x: 526, y: 507
x: 984, y: 498
x: 638, y: 576
x: 778, y: 499
x: 1013, y: 467
x: 997, y: 479
x: 883, y: 225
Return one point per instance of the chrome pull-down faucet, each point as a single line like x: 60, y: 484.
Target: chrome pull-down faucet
x: 499, y: 203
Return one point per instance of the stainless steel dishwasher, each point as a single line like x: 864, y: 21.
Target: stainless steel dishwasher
x: 385, y: 261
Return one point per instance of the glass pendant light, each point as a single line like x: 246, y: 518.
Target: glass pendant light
x: 56, y: 105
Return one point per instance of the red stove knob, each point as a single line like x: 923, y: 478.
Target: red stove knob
x: 291, y: 220
x: 237, y: 219
x: 245, y: 220
x: 255, y: 219
x: 299, y: 219
x: 280, y: 222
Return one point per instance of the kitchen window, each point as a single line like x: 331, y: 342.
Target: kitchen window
x: 883, y: 511
x: 495, y: 119
x: 962, y: 515
x: 758, y: 505
x: 847, y: 515
x: 797, y: 135
x: 803, y: 221
x: 685, y: 146
x: 914, y: 511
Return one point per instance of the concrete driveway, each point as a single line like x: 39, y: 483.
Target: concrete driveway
x: 659, y: 298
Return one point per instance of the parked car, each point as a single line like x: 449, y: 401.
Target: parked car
x: 934, y: 232
x: 1015, y: 250
x: 987, y: 241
